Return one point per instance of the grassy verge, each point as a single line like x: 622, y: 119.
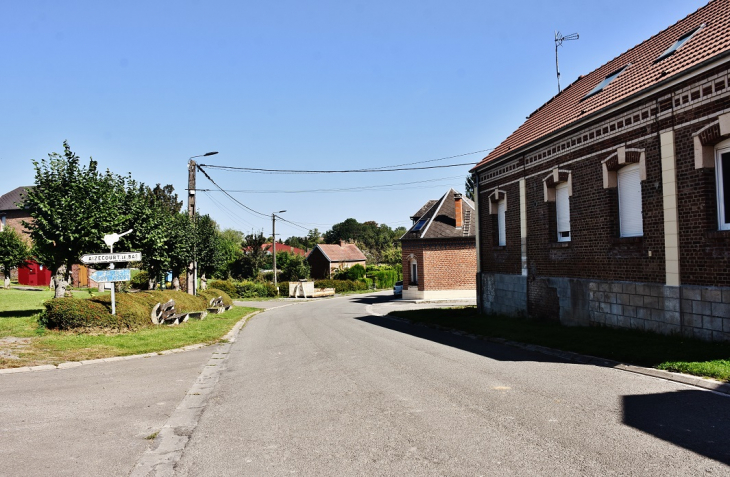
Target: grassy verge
x: 24, y: 343
x: 671, y: 353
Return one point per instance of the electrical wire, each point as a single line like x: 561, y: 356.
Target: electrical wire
x: 395, y: 168
x: 341, y: 189
x: 230, y: 213
x: 229, y: 195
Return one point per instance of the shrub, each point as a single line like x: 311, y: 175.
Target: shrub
x: 341, y: 285
x: 141, y: 281
x: 355, y: 272
x: 255, y: 289
x: 227, y: 286
x: 133, y: 309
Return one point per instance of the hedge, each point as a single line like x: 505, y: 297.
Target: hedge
x: 341, y: 285
x: 133, y: 309
x: 245, y: 289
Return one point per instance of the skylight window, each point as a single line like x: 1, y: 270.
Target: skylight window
x: 678, y: 44
x: 419, y: 225
x: 606, y: 81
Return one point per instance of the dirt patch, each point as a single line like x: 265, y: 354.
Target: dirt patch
x: 11, y: 345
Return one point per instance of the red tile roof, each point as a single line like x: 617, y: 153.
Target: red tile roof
x: 342, y: 253
x: 282, y: 247
x: 643, y: 73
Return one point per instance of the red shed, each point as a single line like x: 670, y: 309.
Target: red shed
x: 34, y: 274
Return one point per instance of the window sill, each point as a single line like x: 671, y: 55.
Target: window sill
x: 559, y: 244
x: 626, y: 240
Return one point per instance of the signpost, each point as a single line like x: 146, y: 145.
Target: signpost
x: 111, y: 275
x: 111, y: 257
x: 117, y: 275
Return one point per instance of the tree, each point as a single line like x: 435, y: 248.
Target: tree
x: 181, y: 245
x: 209, y: 252
x: 292, y: 266
x: 230, y: 245
x: 167, y: 198
x: 254, y: 256
x: 72, y: 207
x: 469, y: 187
x: 13, y: 252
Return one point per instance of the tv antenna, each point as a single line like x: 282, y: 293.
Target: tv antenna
x: 559, y: 39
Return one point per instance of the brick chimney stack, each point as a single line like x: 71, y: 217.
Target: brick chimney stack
x: 458, y: 211
x: 342, y: 243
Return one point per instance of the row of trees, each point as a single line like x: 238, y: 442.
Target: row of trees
x: 73, y: 206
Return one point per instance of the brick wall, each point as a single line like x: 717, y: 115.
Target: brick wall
x: 443, y: 264
x: 596, y: 251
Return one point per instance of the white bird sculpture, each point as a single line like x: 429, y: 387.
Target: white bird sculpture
x: 111, y: 239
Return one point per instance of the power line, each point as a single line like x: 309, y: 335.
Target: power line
x: 229, y: 195
x: 341, y: 189
x: 395, y: 168
x: 228, y: 211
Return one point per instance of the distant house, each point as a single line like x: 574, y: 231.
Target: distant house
x: 12, y: 215
x: 439, y: 251
x: 324, y: 259
x: 282, y: 247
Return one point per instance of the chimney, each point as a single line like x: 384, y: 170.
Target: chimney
x: 342, y: 243
x: 457, y: 211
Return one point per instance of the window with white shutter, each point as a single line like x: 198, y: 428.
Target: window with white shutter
x: 562, y: 211
x: 501, y: 208
x: 631, y: 223
x: 722, y: 169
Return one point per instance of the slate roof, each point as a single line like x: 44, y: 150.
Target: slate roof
x: 440, y: 219
x: 423, y: 209
x: 342, y: 253
x: 8, y: 201
x: 643, y: 73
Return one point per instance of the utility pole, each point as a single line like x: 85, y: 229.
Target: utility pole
x: 192, y: 272
x: 192, y: 266
x: 273, y: 234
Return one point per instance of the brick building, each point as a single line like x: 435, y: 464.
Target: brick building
x: 439, y: 250
x: 608, y: 205
x: 325, y: 259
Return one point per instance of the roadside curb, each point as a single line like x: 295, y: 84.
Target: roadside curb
x: 168, y: 446
x: 688, y: 379
x: 230, y: 336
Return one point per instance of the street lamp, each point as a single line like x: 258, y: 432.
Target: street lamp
x: 192, y: 278
x: 273, y: 233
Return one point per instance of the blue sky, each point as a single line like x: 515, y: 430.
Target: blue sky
x: 142, y: 86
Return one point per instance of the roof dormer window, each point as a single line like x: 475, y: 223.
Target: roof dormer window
x: 606, y: 81
x: 419, y: 225
x: 678, y: 44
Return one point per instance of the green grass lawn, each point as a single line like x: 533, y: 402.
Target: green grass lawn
x: 41, y: 346
x: 671, y: 353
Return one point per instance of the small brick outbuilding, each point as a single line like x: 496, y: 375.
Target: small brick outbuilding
x: 439, y: 250
x: 325, y: 259
x: 610, y: 204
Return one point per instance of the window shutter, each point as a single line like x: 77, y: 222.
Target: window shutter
x: 562, y: 209
x: 631, y: 221
x: 501, y: 206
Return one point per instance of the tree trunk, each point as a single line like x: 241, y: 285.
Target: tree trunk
x: 61, y: 282
x: 152, y: 284
x: 7, y: 278
x: 176, y: 283
x: 203, y: 282
x: 191, y: 279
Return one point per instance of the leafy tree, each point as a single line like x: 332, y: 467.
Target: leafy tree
x: 230, y: 246
x: 13, y: 252
x: 392, y: 256
x: 349, y: 229
x: 181, y: 246
x: 254, y: 257
x: 469, y: 187
x: 167, y: 198
x: 72, y: 207
x: 209, y: 250
x: 291, y: 266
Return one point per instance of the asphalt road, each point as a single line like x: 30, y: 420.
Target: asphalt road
x: 90, y: 420
x: 329, y: 388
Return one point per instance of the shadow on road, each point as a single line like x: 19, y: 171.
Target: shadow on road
x: 373, y: 299
x: 696, y: 420
x: 483, y: 348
